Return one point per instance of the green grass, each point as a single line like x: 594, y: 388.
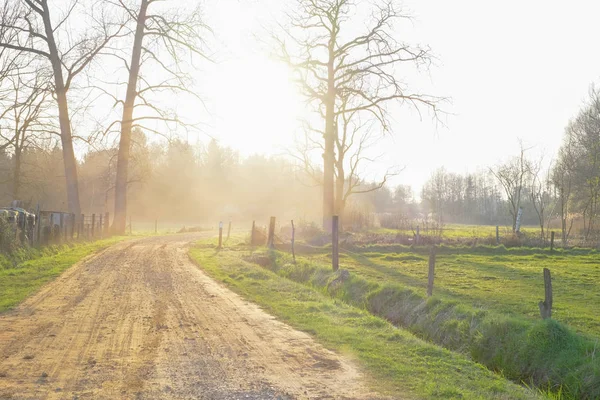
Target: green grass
x: 509, y: 282
x: 396, y: 362
x: 463, y: 231
x: 25, y: 272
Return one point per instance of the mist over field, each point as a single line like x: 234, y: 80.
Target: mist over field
x: 296, y: 199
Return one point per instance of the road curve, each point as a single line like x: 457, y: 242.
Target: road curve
x: 140, y: 321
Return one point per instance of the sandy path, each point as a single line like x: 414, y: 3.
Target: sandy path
x: 140, y: 321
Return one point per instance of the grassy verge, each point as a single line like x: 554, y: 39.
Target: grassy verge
x: 23, y: 273
x: 395, y: 361
x: 474, y: 311
x: 507, y: 281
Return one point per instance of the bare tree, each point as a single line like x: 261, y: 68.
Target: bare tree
x: 540, y: 195
x: 332, y: 62
x: 352, y: 145
x: 512, y: 176
x: 563, y: 180
x: 28, y: 27
x: 162, y: 39
x: 354, y: 140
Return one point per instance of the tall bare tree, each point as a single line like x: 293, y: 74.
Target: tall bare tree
x: 354, y: 141
x: 162, y: 39
x: 332, y: 61
x: 30, y: 27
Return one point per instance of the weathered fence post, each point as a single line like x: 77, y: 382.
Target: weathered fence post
x: 229, y: 230
x: 100, y: 226
x: 546, y: 305
x: 271, y: 237
x: 552, y: 241
x: 431, y: 271
x: 335, y: 256
x: 293, y: 240
x: 497, y: 234
x: 61, y: 233
x: 252, y: 234
x: 93, y: 224
x: 38, y: 221
x: 82, y: 225
x: 220, y: 234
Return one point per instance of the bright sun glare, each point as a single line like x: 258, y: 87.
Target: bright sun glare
x: 255, y: 104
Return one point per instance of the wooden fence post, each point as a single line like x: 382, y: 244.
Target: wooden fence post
x: 38, y: 221
x: 220, y: 234
x: 552, y: 241
x: 252, y: 234
x: 271, y: 237
x: 546, y: 305
x: 335, y: 256
x: 61, y: 233
x: 93, y: 224
x: 82, y: 225
x: 100, y: 226
x: 431, y: 271
x: 293, y: 240
x: 497, y: 235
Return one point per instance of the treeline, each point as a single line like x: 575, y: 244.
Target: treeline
x: 177, y: 182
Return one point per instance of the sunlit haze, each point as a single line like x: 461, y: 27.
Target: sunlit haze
x: 515, y: 70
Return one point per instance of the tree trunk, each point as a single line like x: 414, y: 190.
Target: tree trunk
x: 120, y: 219
x: 340, y: 203
x: 66, y: 137
x: 329, y: 154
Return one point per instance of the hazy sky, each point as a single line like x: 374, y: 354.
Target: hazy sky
x: 514, y: 69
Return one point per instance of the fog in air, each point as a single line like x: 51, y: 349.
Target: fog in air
x: 167, y: 167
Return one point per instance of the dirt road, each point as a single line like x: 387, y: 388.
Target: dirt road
x: 140, y: 321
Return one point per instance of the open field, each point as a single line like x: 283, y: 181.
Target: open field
x: 395, y: 360
x: 485, y: 303
x: 463, y: 231
x: 507, y: 282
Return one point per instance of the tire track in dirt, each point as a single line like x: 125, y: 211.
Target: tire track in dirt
x: 140, y: 321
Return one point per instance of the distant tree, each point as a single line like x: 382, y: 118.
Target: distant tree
x: 344, y: 73
x: 512, y: 176
x: 563, y: 180
x: 540, y: 195
x: 27, y: 121
x: 578, y: 168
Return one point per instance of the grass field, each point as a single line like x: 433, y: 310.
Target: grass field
x: 27, y: 271
x: 508, y: 283
x: 395, y: 361
x: 463, y: 231
x: 485, y: 303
